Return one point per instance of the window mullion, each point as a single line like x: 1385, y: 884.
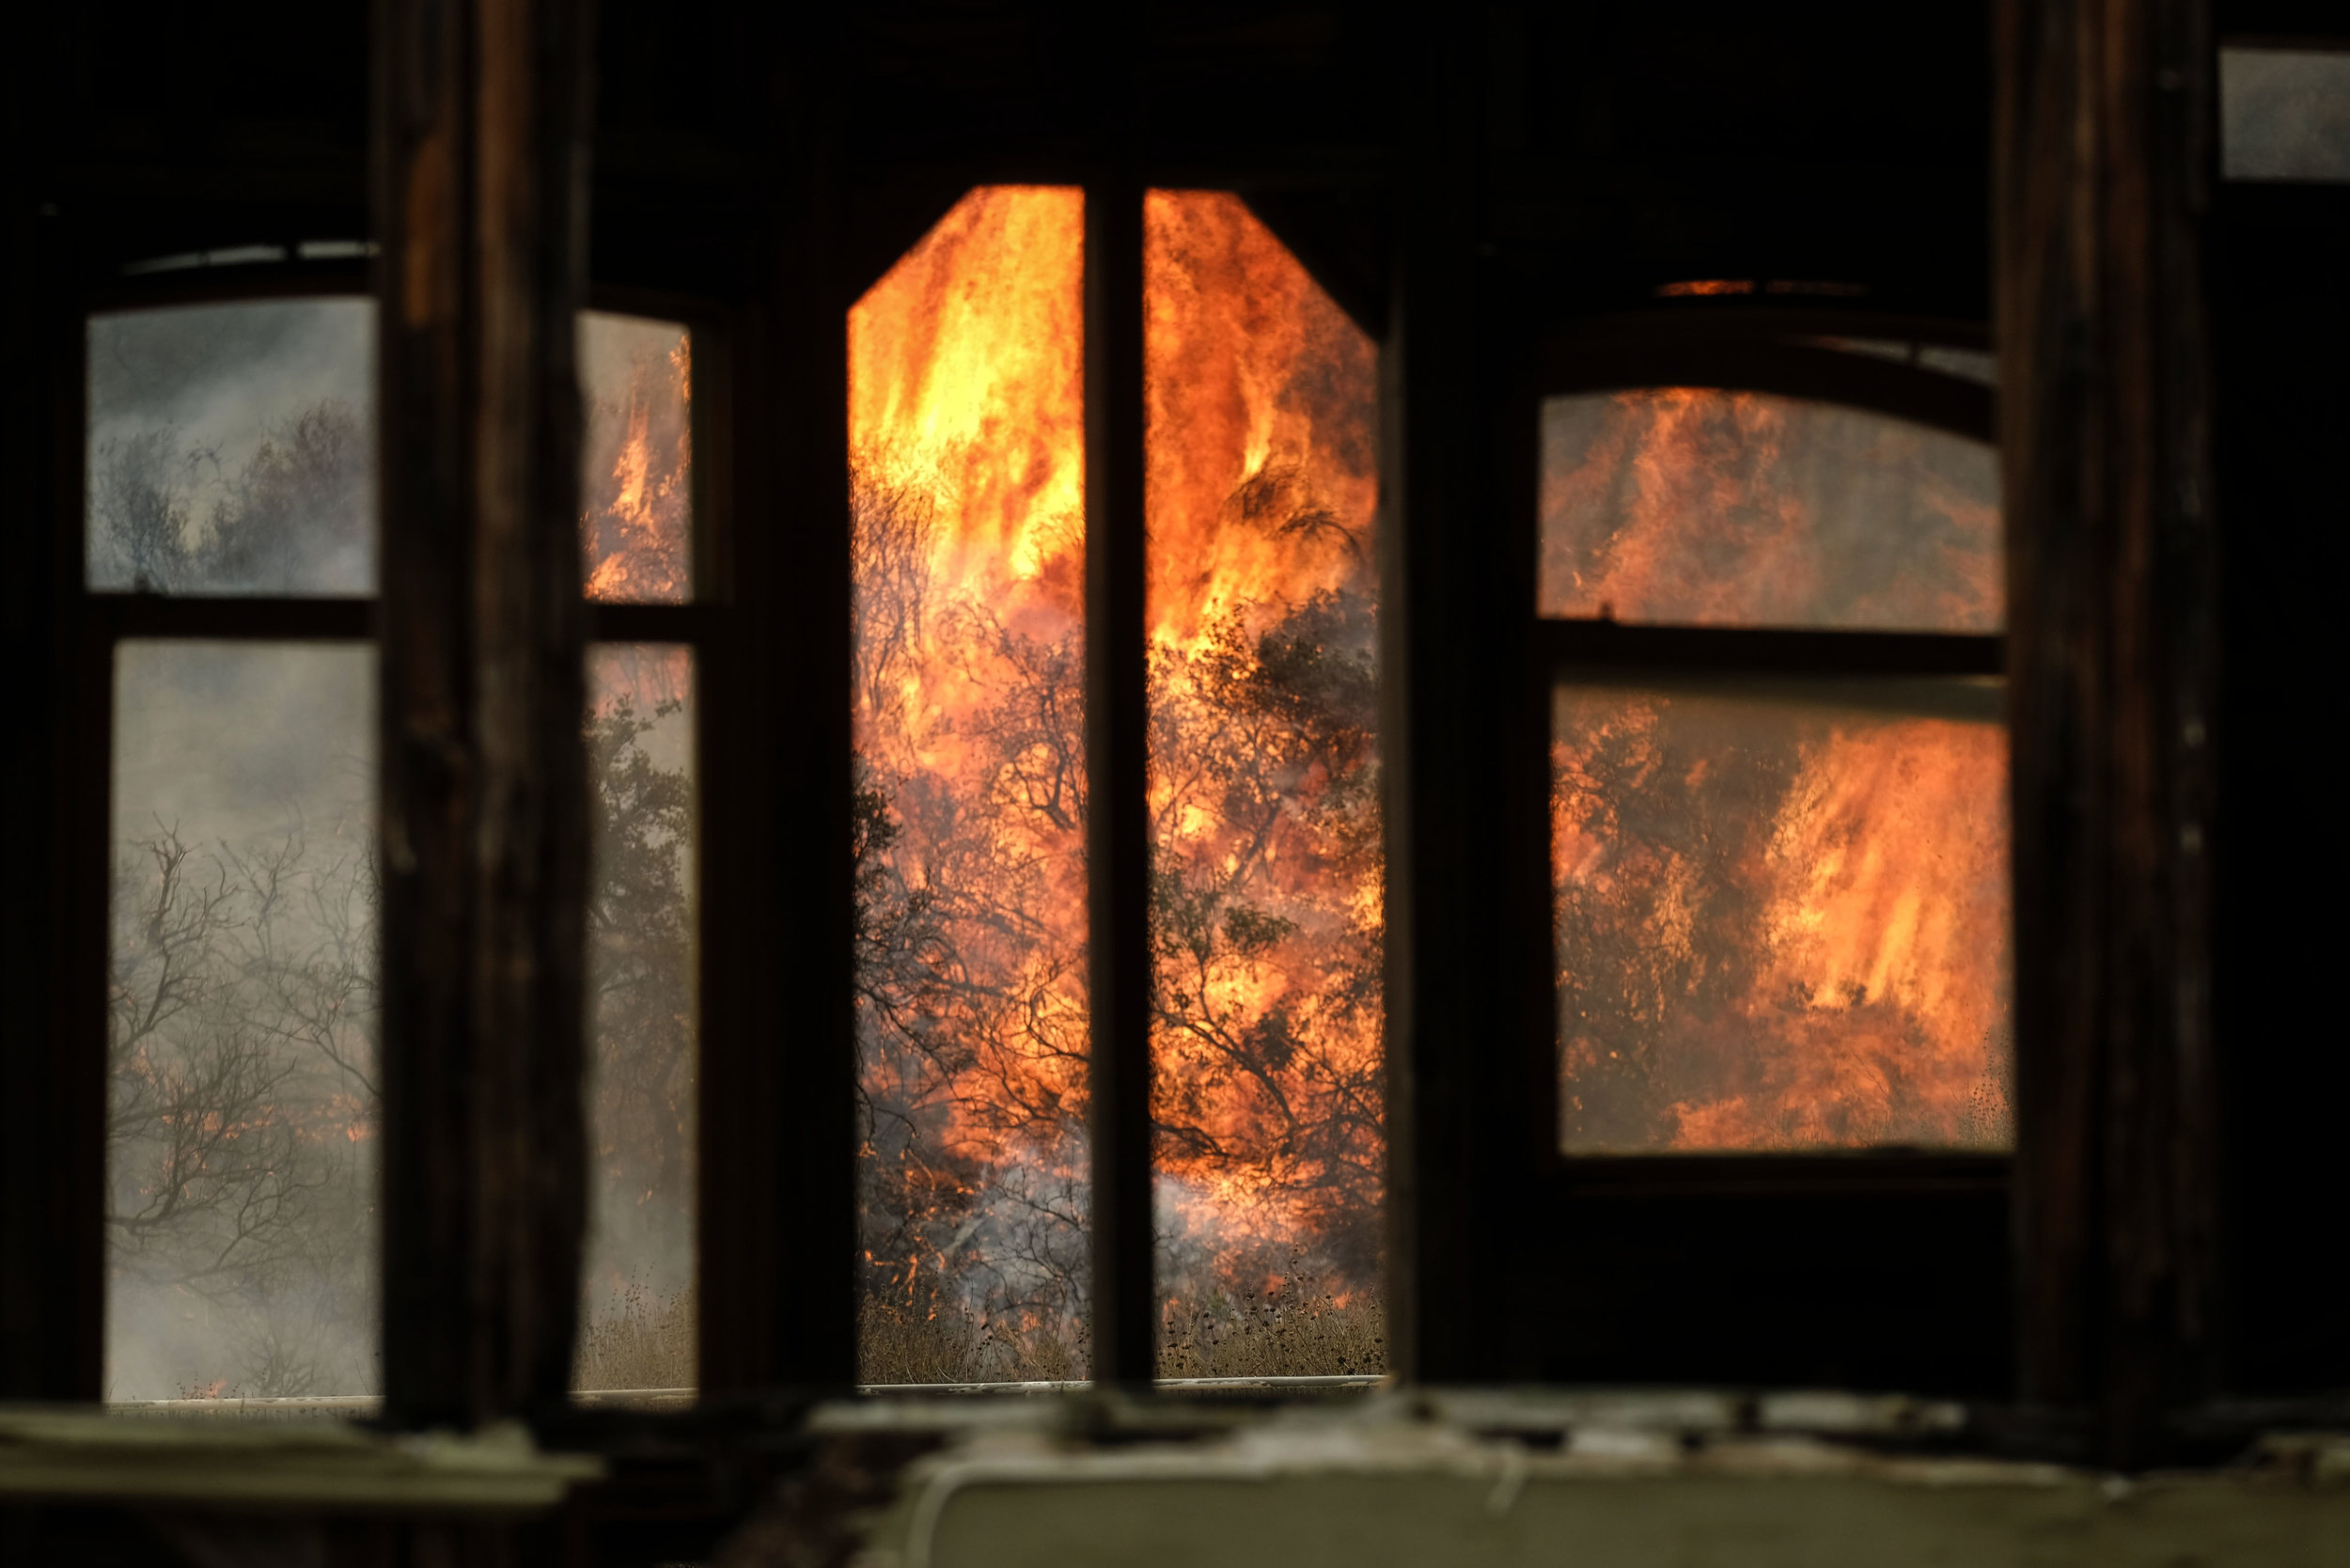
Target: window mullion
x: 1118, y: 828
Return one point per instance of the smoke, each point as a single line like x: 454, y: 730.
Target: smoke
x: 642, y: 940
x: 231, y: 449
x: 241, y: 1179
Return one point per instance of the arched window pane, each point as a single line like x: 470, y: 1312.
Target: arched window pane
x: 1782, y: 918
x: 1693, y: 506
x: 1266, y: 909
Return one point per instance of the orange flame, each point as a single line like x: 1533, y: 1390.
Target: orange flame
x: 1780, y: 926
x: 635, y: 520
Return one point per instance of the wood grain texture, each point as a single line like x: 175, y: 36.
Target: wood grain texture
x: 480, y: 202
x: 2101, y: 158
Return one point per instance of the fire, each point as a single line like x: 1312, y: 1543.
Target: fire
x: 1781, y: 924
x: 966, y: 421
x: 636, y: 491
x: 1261, y: 487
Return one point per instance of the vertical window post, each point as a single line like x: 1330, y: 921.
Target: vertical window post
x: 480, y: 152
x: 1117, y: 823
x: 2112, y: 603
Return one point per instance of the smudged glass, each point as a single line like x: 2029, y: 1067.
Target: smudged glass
x: 230, y: 448
x: 637, y: 1313
x: 243, y: 1017
x: 965, y: 414
x: 1692, y: 507
x: 636, y: 478
x: 1782, y: 918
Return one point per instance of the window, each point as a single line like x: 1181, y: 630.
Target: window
x: 230, y: 452
x: 967, y: 393
x: 230, y: 448
x: 641, y: 534
x: 1780, y: 900
x: 1756, y: 781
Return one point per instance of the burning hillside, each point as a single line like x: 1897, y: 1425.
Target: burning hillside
x: 967, y: 418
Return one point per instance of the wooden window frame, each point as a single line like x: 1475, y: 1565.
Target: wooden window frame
x: 90, y: 625
x: 1718, y: 1227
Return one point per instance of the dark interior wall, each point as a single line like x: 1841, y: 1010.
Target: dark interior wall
x: 2281, y: 334
x: 174, y: 127
x: 1618, y: 146
x: 1633, y: 145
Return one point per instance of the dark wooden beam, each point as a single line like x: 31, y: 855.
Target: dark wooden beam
x: 1117, y: 817
x: 2280, y: 337
x: 481, y: 161
x: 1730, y: 654
x: 1467, y: 923
x: 2101, y: 162
x: 54, y: 922
x: 778, y: 1094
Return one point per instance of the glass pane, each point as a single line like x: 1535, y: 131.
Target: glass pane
x: 638, y: 1318
x: 966, y: 388
x: 231, y: 449
x: 1267, y: 914
x: 241, y: 1013
x: 637, y: 489
x: 1966, y: 364
x: 1782, y: 917
x: 2284, y: 113
x: 1678, y: 505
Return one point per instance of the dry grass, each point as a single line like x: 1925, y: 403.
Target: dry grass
x: 638, y: 1339
x: 1300, y: 1329
x: 941, y: 1344
x: 642, y: 1339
